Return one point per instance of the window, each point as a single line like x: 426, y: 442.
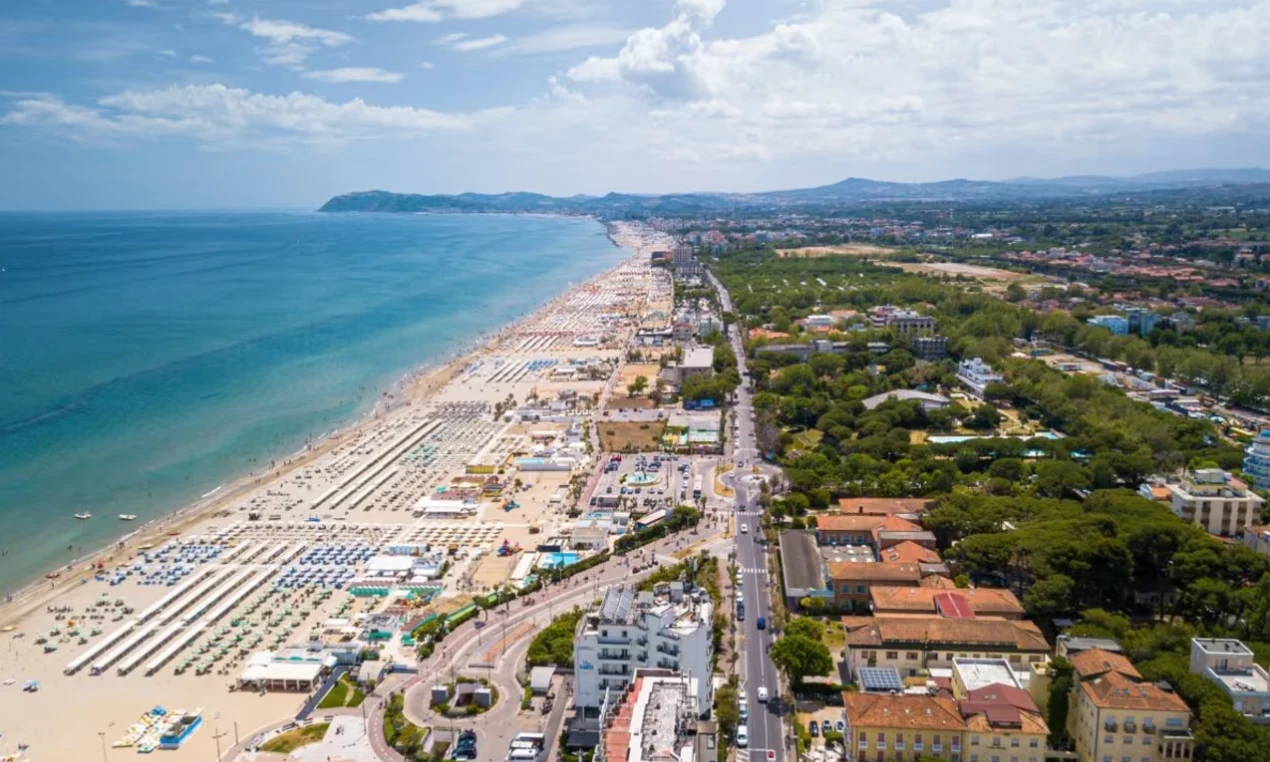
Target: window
x: 1032, y: 743
x: 912, y: 656
x: 1128, y: 740
x: 899, y: 742
x: 864, y: 740
x: 1014, y: 742
x: 948, y: 657
x: 974, y: 740
x: 1146, y: 740
x: 881, y: 740
x: 892, y: 655
x: 1175, y: 722
x: 974, y: 758
x: 917, y: 743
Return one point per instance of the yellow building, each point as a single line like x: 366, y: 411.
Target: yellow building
x: 1116, y: 716
x: 882, y: 727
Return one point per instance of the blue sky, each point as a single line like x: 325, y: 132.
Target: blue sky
x: 280, y: 103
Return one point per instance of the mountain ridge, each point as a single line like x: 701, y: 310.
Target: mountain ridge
x: 849, y: 191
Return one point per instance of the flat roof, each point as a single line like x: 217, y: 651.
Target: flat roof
x: 698, y: 357
x: 800, y: 560
x: 1226, y: 646
x: 980, y: 673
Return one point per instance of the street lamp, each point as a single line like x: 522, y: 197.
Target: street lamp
x: 102, y: 735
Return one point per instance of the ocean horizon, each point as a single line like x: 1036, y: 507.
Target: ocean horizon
x: 150, y: 357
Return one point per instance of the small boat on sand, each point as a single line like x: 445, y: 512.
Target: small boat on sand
x: 127, y: 517
x: 83, y: 516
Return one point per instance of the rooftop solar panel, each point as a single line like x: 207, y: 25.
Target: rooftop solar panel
x: 879, y: 679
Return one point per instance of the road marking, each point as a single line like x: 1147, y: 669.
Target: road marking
x: 754, y: 571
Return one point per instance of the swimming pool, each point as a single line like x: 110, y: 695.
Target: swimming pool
x: 558, y: 560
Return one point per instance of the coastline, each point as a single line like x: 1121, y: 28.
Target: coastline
x: 413, y: 386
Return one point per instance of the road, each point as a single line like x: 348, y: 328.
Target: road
x: 757, y: 670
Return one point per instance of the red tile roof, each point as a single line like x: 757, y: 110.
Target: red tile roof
x: 883, y: 710
x: 882, y: 506
x: 909, y: 552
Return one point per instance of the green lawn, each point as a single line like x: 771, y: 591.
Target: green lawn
x: 294, y: 739
x: 343, y: 693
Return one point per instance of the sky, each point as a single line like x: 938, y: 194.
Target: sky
x: 154, y: 104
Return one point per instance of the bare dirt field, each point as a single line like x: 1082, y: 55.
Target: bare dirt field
x: 958, y: 268
x: 841, y: 250
x: 631, y: 437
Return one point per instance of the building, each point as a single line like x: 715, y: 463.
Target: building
x: 1117, y: 324
x: 655, y: 719
x: 1002, y: 722
x: 904, y: 323
x: 1257, y: 537
x: 294, y: 669
x: 882, y: 727
x: 682, y: 331
x: 926, y: 400
x: 1257, y: 460
x: 851, y: 582
x: 860, y: 529
x: 1215, y: 501
x: 802, y: 568
x: 630, y: 630
x: 1229, y: 664
x: 976, y: 375
x: 1066, y: 646
x: 915, y: 643
x: 1141, y: 321
x: 685, y: 264
x: 969, y: 675
x: 697, y: 361
x: 821, y: 322
x: 904, y: 507
x: 1117, y: 715
x: 980, y: 601
x: 929, y: 348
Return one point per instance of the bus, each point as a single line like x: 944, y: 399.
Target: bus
x: 696, y: 488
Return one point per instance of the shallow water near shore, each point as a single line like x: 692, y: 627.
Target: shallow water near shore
x: 146, y: 358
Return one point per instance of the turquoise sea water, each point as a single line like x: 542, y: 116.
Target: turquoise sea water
x: 146, y: 359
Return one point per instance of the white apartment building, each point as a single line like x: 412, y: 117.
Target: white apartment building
x: 975, y: 375
x: 629, y: 630
x: 1214, y: 500
x: 1229, y: 664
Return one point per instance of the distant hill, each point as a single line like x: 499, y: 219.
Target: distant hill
x: 852, y: 191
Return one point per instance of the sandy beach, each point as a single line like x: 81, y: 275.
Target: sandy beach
x: 458, y: 460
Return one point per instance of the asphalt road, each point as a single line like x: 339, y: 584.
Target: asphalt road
x: 766, y: 737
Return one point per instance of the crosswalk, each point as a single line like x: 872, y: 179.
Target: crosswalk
x: 753, y: 571
x: 757, y: 755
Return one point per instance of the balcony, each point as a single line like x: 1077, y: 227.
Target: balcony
x: 1148, y: 727
x: 1110, y: 725
x: 641, y: 641
x: 1130, y: 726
x: 615, y: 655
x: 613, y: 640
x: 668, y: 650
x: 614, y: 670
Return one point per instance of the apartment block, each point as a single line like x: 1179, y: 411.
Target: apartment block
x: 628, y: 630
x: 1229, y: 664
x: 914, y: 643
x: 1117, y: 715
x: 882, y: 727
x: 1215, y: 501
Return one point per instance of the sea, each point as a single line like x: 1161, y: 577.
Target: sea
x: 148, y: 358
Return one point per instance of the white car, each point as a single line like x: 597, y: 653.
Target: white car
x: 739, y: 577
x: 742, y: 736
x: 742, y: 698
x: 762, y: 693
x: 745, y: 529
x: 740, y: 596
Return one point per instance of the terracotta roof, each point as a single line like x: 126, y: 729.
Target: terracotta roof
x: 882, y: 710
x: 865, y: 523
x: 938, y: 632
x: 982, y: 600
x: 909, y: 552
x: 882, y: 506
x: 1002, y: 719
x: 1096, y: 661
x: 1114, y: 690
x: 997, y: 693
x: 856, y: 571
x: 936, y: 582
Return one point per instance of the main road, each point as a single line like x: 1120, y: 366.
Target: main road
x: 766, y: 736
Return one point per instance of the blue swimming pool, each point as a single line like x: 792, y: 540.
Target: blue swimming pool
x: 951, y: 439
x: 557, y: 560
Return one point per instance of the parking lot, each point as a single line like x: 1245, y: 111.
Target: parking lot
x: 651, y: 481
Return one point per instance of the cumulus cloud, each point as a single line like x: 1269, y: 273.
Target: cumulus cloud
x: 355, y: 74
x: 432, y: 11
x: 201, y: 59
x: 288, y: 43
x: 219, y: 115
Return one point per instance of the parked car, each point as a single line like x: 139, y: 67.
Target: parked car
x: 826, y: 726
x: 742, y: 736
x: 813, y: 728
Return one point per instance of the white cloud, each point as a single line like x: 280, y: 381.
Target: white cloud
x: 417, y: 12
x: 167, y: 53
x: 460, y: 42
x: 217, y: 115
x: 142, y: 4
x: 426, y: 65
x: 570, y: 37
x: 201, y: 59
x: 288, y: 43
x: 355, y: 74
x: 432, y: 11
